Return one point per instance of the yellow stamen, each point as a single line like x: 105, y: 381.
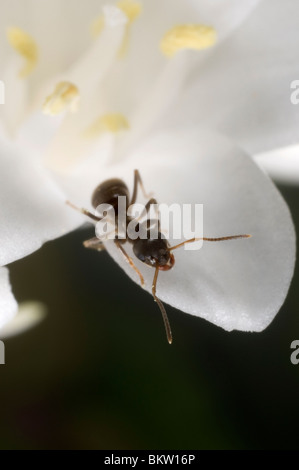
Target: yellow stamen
x: 65, y: 96
x: 113, y: 123
x: 192, y: 36
x: 26, y: 46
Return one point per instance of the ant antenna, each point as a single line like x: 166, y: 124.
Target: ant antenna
x: 162, y: 308
x: 221, y: 239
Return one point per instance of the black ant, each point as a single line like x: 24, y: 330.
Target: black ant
x: 155, y: 252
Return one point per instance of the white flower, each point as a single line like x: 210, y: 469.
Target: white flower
x: 28, y: 313
x: 281, y: 164
x: 80, y: 109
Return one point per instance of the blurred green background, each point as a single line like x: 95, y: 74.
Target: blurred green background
x: 99, y: 374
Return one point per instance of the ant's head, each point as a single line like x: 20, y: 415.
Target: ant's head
x: 154, y: 252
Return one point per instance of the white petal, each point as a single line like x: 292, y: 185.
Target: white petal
x: 90, y: 69
x: 8, y: 304
x: 60, y: 28
x: 281, y: 164
x: 37, y: 132
x: 150, y: 81
x: 87, y: 73
x: 29, y: 315
x: 13, y: 111
x: 134, y: 77
x: 80, y: 183
x: 238, y: 284
x: 32, y: 208
x: 244, y: 89
x: 225, y: 16
x: 157, y: 100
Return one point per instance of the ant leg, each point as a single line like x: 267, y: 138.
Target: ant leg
x: 162, y: 308
x: 153, y: 202
x: 95, y: 244
x: 130, y: 261
x: 147, y: 207
x: 138, y: 180
x: 84, y: 211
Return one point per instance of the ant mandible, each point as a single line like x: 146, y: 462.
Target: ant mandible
x: 154, y: 252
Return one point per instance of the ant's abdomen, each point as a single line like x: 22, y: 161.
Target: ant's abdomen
x: 108, y: 193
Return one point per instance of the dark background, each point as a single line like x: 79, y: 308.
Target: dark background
x: 99, y: 374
